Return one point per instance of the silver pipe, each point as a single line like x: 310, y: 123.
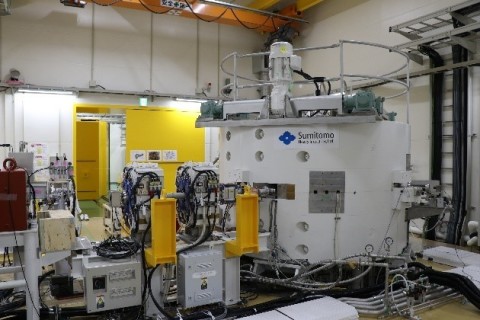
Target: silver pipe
x: 262, y: 12
x: 399, y: 302
x: 176, y: 195
x: 12, y: 284
x: 13, y: 269
x: 372, y: 44
x: 235, y: 84
x: 245, y: 86
x: 342, y: 89
x: 399, y: 306
x: 335, y: 45
x: 398, y: 296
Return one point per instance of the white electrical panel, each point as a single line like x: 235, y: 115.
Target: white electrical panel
x: 200, y: 278
x: 112, y: 284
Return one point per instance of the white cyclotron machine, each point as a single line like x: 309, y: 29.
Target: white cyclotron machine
x: 331, y: 169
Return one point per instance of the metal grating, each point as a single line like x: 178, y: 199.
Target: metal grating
x: 436, y: 29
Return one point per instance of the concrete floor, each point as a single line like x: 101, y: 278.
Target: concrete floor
x: 454, y: 310
x: 95, y: 231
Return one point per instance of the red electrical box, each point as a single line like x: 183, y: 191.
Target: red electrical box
x: 13, y: 198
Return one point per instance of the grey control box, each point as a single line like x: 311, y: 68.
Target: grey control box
x: 200, y: 278
x: 111, y: 284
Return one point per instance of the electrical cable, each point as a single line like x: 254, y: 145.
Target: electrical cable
x: 117, y: 248
x: 106, y: 4
x: 40, y: 280
x: 159, y: 307
x: 460, y: 140
x: 154, y: 11
x: 144, y: 265
x: 32, y: 191
x: 245, y: 26
x: 452, y: 280
x: 74, y: 196
x: 13, y: 300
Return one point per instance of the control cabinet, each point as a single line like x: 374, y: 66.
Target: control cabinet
x: 199, y: 278
x: 111, y: 284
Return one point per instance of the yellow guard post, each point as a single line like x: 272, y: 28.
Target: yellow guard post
x: 164, y: 244
x: 246, y: 240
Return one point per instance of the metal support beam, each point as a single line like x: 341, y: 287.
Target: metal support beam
x: 416, y: 58
x: 467, y: 44
x: 303, y: 5
x: 263, y: 4
x: 220, y: 12
x: 421, y: 73
x: 410, y: 36
x: 463, y: 19
x: 440, y: 36
x: 434, y: 15
x: 261, y: 12
x: 416, y: 212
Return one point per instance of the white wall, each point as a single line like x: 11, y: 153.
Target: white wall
x: 121, y: 49
x: 37, y: 118
x: 369, y: 20
x: 63, y: 46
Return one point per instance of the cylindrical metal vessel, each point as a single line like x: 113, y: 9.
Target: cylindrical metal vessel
x: 343, y: 183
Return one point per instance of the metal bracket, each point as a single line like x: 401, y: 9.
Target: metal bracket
x: 467, y: 44
x: 463, y: 19
x: 410, y: 36
x: 415, y: 58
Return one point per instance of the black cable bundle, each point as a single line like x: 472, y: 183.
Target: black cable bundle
x: 452, y: 280
x: 12, y: 301
x: 117, y: 248
x: 315, y: 80
x: 460, y: 138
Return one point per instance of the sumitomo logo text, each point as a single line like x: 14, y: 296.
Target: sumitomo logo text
x: 316, y: 137
x: 301, y: 137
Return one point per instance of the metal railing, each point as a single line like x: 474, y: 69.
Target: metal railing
x: 243, y: 82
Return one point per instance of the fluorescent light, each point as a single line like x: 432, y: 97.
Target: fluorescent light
x: 190, y: 100
x: 65, y: 92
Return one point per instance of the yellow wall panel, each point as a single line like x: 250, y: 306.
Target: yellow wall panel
x: 103, y: 158
x: 165, y: 129
x: 87, y: 142
x: 91, y: 159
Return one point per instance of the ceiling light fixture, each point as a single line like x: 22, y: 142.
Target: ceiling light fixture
x: 190, y: 100
x: 64, y: 92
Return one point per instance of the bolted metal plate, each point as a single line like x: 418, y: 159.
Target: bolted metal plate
x: 326, y: 192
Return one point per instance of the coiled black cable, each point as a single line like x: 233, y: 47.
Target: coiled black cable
x: 117, y: 248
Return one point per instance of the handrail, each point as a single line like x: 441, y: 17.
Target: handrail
x: 342, y: 76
